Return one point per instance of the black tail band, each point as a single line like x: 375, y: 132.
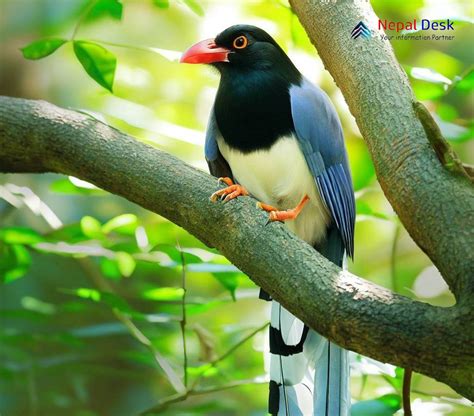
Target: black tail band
x: 278, y: 346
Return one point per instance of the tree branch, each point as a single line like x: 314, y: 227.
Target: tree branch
x: 39, y: 137
x: 436, y: 205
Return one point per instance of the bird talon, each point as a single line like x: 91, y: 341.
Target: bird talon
x: 225, y: 180
x: 228, y: 193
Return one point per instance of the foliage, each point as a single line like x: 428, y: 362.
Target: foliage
x: 134, y: 310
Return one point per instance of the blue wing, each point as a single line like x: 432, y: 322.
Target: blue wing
x: 320, y: 136
x: 218, y: 166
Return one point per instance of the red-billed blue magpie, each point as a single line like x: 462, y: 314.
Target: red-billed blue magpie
x: 275, y: 136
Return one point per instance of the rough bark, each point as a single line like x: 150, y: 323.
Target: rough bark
x: 38, y: 137
x: 435, y: 205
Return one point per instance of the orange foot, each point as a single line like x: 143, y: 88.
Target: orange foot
x: 230, y: 192
x: 289, y: 214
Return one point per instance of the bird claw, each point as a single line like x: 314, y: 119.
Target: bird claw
x: 228, y: 193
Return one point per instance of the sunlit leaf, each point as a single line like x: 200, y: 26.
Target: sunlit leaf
x: 126, y: 263
x: 162, y: 4
x: 91, y: 227
x: 383, y: 406
x: 74, y: 250
x: 369, y: 366
x: 20, y: 235
x: 427, y: 90
x: 164, y: 293
x: 194, y: 6
x: 466, y: 83
x: 206, y: 370
x: 446, y: 112
x: 429, y: 75
x: 194, y: 309
x: 87, y: 293
x: 111, y: 8
x: 397, y: 381
x: 14, y: 274
x: 41, y: 48
x: 71, y: 233
x: 66, y: 186
x: 109, y: 268
x: 37, y: 305
x: 175, y: 255
x: 98, y: 62
x: 363, y: 208
x: 229, y: 280
x: 123, y: 224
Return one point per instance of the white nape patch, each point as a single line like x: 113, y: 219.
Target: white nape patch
x: 281, y: 177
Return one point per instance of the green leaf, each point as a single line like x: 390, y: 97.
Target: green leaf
x: 98, y: 62
x: 205, y: 370
x: 14, y: 274
x: 111, y: 8
x: 195, y: 7
x: 20, y: 235
x: 466, y: 83
x: 383, y: 406
x: 164, y: 293
x: 91, y: 227
x: 162, y: 4
x: 447, y: 112
x: 41, y: 48
x: 126, y: 263
x: 229, y: 280
x: 65, y: 186
x: 32, y: 304
x: 363, y: 208
x: 428, y: 91
x: 429, y: 75
x: 175, y: 255
x: 87, y: 293
x: 123, y: 224
x: 110, y: 269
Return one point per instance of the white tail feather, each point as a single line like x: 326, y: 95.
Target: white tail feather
x: 314, y: 381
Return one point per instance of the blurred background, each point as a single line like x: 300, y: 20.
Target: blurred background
x: 91, y: 299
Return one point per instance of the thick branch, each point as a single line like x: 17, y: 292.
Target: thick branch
x: 38, y: 137
x: 435, y: 204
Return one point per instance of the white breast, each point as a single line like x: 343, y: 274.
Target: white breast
x: 280, y: 177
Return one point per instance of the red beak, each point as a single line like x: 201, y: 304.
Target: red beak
x: 205, y: 52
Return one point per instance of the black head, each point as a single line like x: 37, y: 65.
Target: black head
x: 242, y: 48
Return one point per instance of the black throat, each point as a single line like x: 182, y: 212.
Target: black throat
x: 253, y: 108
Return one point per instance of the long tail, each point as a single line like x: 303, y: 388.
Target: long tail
x: 309, y: 374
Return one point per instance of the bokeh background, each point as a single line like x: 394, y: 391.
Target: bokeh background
x: 91, y: 303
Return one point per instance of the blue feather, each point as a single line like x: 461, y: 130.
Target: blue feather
x: 319, y: 133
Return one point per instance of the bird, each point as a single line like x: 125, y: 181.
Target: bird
x: 275, y: 136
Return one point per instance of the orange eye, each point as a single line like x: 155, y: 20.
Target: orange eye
x: 240, y: 43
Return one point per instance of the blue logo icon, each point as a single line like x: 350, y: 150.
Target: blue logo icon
x: 361, y: 29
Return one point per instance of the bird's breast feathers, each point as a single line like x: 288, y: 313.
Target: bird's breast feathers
x: 280, y: 176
